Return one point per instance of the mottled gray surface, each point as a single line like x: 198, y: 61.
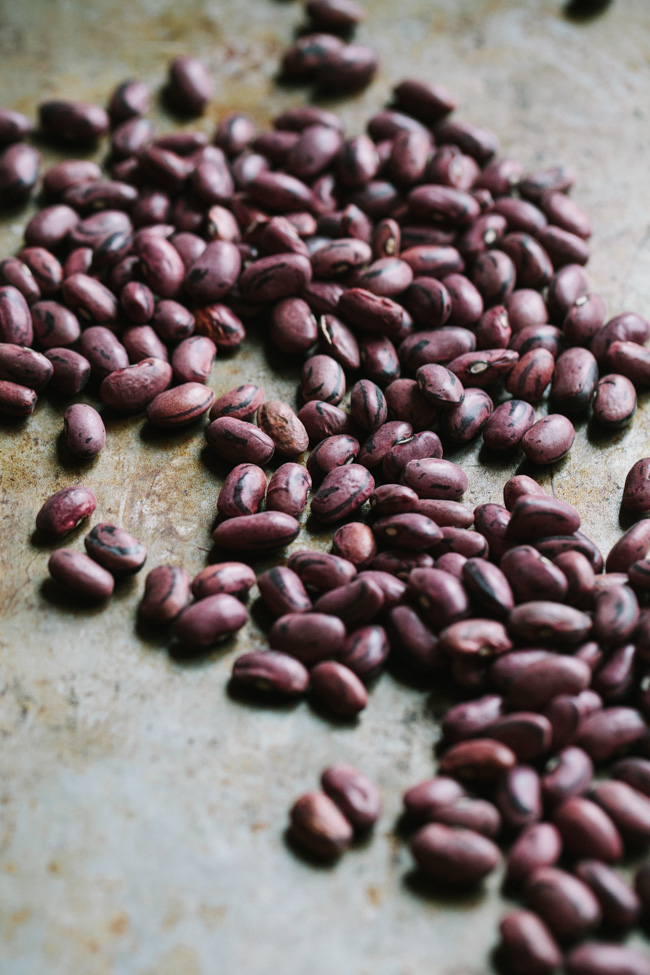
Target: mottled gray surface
x: 142, y: 810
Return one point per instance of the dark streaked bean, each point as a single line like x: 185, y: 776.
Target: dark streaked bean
x: 614, y: 401
x: 464, y: 422
x: 531, y: 375
x: 15, y: 319
x: 408, y: 530
x: 435, y: 478
x: 616, y: 615
x: 491, y: 520
x: 172, y: 322
x: 368, y: 406
x: 506, y: 426
x: 356, y: 603
x: 584, y: 319
x: 80, y: 575
x: 73, y: 121
x: 474, y: 637
x: 393, y: 499
x: 568, y: 774
x: 388, y: 436
x: 192, y: 359
x: 342, y: 492
x: 263, y: 532
x: 234, y: 578
x: 488, y: 586
x: 574, y: 380
x: 166, y: 594
x: 365, y: 651
x: 288, y: 489
x: 242, y: 492
x: 283, y: 592
x: 450, y: 514
x: 483, y: 367
x: 562, y: 246
x: 239, y: 441
x: 20, y: 166
x: 322, y: 420
x: 541, y: 621
x: 323, y: 380
x: 330, y: 453
x: 241, y: 403
x: 356, y: 543
x: 115, y: 549
x: 403, y: 451
x: 321, y: 571
x: 636, y: 492
x: 17, y: 274
x: 440, y: 596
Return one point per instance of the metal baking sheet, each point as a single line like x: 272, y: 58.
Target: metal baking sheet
x: 142, y: 809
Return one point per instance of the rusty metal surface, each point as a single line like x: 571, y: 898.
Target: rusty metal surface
x: 142, y: 809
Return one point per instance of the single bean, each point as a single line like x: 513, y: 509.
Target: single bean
x: 84, y: 430
x: 565, y: 903
x: 241, y: 403
x: 353, y: 792
x: 180, y: 406
x: 311, y: 637
x: 166, y: 594
x: 519, y: 796
x: 71, y: 371
x: 239, y: 441
x: 264, y: 531
x: 634, y: 544
x: 64, y: 510
x: 356, y: 602
x: 321, y: 571
x: 338, y: 688
x: 607, y: 733
x: 606, y: 959
x: 131, y: 389
x: 342, y: 492
x: 319, y: 826
x: 435, y: 478
x: 528, y: 944
x: 80, y: 575
x: 629, y: 808
x: 365, y: 651
x: 200, y: 625
x: 278, y: 421
x: 242, y: 492
x: 233, y: 578
x: 538, y: 845
x: 620, y: 904
x: 271, y: 672
x: 456, y: 856
x: 356, y: 543
x: 283, y: 592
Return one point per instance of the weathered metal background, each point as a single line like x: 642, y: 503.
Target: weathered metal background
x: 142, y: 809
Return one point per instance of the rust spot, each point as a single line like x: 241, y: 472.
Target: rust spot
x: 53, y: 867
x: 373, y: 893
x: 19, y: 917
x: 119, y: 924
x: 256, y: 827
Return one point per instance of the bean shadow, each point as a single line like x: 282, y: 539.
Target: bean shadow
x: 584, y: 10
x: 305, y: 856
x: 156, y: 637
x: 262, y: 700
x: 58, y: 597
x: 68, y: 461
x: 189, y: 659
x: 444, y: 894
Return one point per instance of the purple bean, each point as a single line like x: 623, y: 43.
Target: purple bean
x: 319, y: 827
x: 166, y: 594
x: 234, y: 578
x: 80, y: 575
x: 64, y: 511
x: 263, y: 531
x: 310, y: 637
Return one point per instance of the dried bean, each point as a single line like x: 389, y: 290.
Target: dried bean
x: 166, y: 594
x: 318, y: 826
x: 80, y: 575
x: 263, y: 532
